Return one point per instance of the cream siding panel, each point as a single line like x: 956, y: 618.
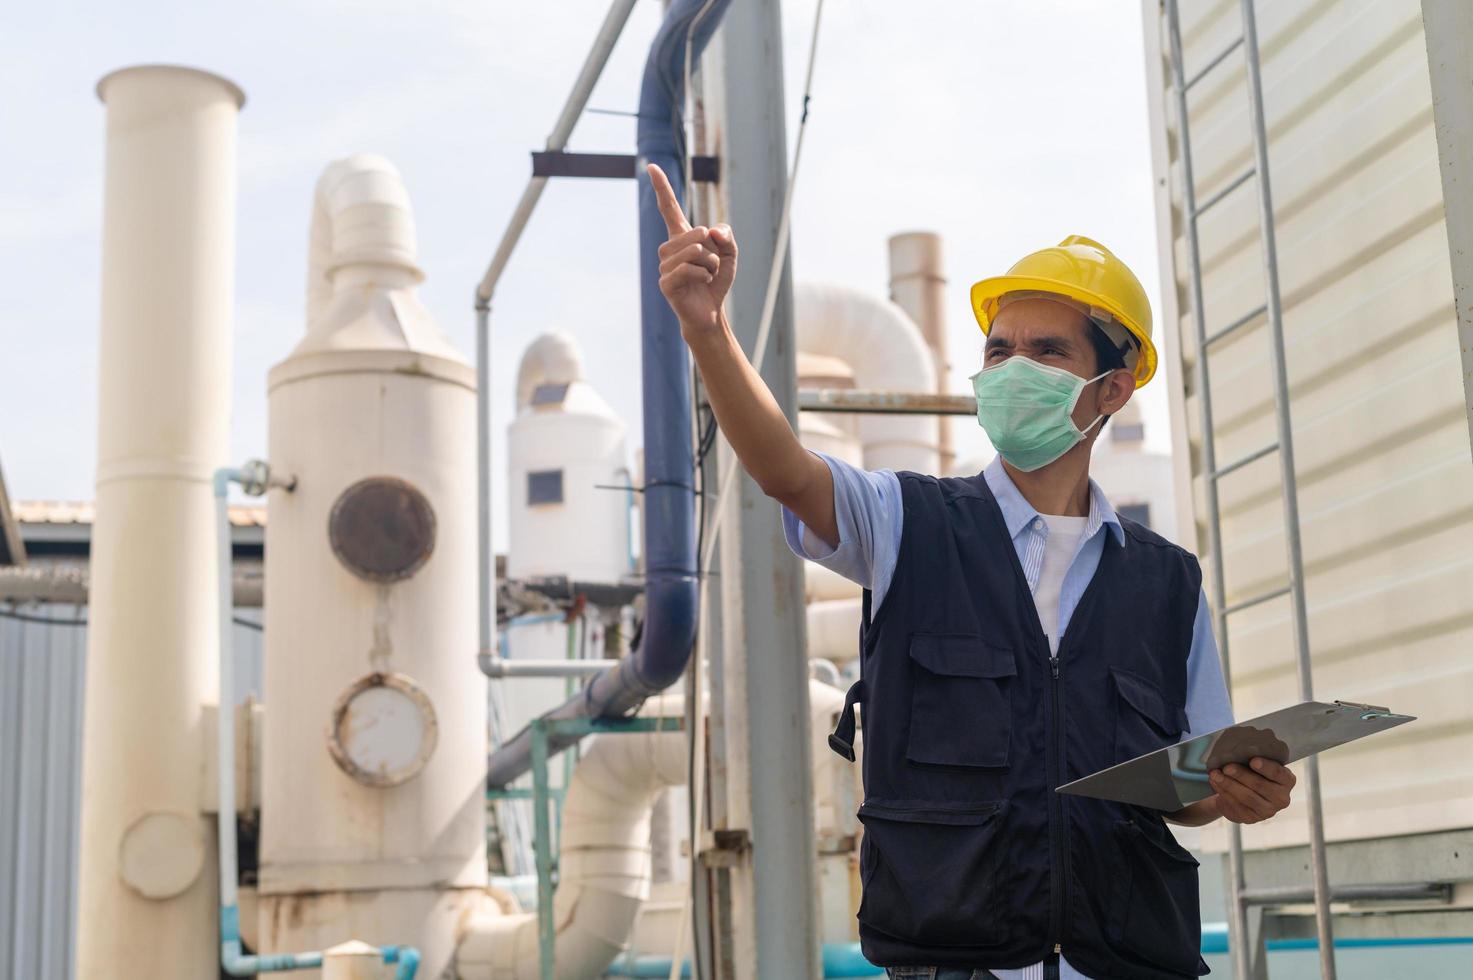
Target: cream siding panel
x: 1380, y: 429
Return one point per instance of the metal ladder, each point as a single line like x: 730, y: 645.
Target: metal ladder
x: 1249, y: 964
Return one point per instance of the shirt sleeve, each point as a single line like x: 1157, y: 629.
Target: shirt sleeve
x: 868, y: 513
x: 1208, y: 706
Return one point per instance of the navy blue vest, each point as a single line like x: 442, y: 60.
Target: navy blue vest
x: 969, y: 857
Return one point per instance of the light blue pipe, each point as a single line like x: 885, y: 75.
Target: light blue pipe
x: 1215, y: 940
x: 840, y: 960
x: 255, y: 478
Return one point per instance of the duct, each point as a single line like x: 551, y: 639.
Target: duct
x: 887, y: 353
x: 360, y: 214
x: 669, y: 504
x: 552, y: 359
x: 362, y: 269
x: 604, y: 867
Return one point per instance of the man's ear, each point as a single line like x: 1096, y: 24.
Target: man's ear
x: 1115, y: 390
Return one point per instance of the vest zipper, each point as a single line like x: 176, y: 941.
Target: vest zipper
x: 1056, y: 802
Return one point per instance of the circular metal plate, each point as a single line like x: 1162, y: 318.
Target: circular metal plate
x: 161, y: 854
x: 382, y: 529
x: 383, y: 730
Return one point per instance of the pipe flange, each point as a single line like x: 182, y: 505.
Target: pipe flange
x: 383, y: 730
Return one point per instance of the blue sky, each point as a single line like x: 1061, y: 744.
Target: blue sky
x: 1004, y: 125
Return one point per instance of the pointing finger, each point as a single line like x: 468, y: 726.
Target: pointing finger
x: 675, y: 222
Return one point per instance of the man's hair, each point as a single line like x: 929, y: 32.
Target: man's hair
x: 1108, y: 357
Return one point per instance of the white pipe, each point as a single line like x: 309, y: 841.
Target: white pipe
x: 168, y: 258
x: 507, y: 667
x: 833, y: 629
x: 887, y: 353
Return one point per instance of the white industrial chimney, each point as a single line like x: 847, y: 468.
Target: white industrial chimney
x: 373, y: 797
x: 147, y: 904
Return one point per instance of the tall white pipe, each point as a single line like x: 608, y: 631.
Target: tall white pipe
x: 886, y: 352
x: 146, y: 905
x: 918, y: 286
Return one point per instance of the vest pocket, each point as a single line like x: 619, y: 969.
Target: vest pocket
x: 961, y: 701
x: 1144, y: 719
x: 1155, y: 908
x: 928, y: 873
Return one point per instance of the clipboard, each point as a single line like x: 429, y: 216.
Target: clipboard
x: 1176, y: 776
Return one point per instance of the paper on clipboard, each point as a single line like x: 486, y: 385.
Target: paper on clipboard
x: 1171, y: 778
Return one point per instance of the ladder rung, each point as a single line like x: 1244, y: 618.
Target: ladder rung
x: 1239, y: 464
x: 1236, y: 182
x: 1246, y: 318
x: 1216, y: 60
x: 1262, y: 597
x: 1297, y: 895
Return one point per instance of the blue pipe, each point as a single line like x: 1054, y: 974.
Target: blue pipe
x: 671, y: 578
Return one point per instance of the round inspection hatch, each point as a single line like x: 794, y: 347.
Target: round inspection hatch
x: 383, y: 730
x: 382, y: 529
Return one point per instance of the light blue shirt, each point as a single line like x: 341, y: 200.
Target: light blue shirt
x: 869, y: 515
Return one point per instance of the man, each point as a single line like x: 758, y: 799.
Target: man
x: 1017, y: 634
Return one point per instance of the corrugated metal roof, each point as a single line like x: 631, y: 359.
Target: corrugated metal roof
x: 82, y: 512
x: 1380, y: 430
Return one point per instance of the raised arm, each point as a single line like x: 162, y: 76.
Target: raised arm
x: 697, y: 267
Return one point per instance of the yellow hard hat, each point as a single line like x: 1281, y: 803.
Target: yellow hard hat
x: 1087, y: 273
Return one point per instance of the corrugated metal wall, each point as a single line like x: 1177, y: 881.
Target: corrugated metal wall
x: 1381, y: 436
x: 42, y: 668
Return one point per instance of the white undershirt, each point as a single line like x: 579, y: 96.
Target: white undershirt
x: 1058, y: 554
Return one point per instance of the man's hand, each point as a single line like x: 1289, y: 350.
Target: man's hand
x: 1248, y: 794
x: 1244, y: 794
x: 697, y: 265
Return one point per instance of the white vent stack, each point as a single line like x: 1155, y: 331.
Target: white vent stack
x: 375, y: 725
x: 918, y: 286
x: 147, y: 888
x: 565, y: 449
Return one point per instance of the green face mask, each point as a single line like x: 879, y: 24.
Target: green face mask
x: 1027, y: 410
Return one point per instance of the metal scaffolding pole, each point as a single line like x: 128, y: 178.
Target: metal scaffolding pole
x: 773, y: 880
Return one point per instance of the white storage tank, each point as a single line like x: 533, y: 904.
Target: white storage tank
x: 373, y: 819
x: 566, y: 455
